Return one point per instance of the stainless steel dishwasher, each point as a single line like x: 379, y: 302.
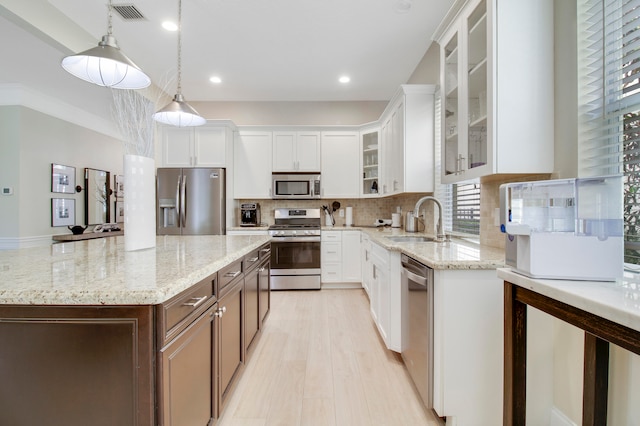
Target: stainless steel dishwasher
x: 417, y: 353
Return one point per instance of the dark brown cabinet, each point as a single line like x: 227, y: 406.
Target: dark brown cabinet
x: 187, y: 367
x: 264, y: 284
x: 230, y: 329
x: 188, y: 374
x: 76, y: 365
x: 251, y: 298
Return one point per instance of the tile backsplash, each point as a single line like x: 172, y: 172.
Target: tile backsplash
x: 365, y: 210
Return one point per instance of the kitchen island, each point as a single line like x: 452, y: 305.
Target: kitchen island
x: 85, y: 327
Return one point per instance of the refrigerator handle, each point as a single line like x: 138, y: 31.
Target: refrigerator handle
x: 178, y: 201
x: 183, y: 201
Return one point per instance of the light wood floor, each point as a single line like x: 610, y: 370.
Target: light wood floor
x: 320, y: 361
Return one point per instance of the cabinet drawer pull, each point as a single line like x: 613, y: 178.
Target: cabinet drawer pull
x: 195, y: 301
x: 265, y: 251
x: 232, y: 274
x: 253, y: 259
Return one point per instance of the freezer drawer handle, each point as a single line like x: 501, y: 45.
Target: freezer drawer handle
x: 195, y: 301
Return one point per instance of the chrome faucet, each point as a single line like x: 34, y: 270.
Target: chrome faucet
x: 440, y: 235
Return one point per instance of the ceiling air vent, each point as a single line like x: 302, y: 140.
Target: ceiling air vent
x: 128, y: 12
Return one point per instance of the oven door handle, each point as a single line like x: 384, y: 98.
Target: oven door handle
x: 295, y: 239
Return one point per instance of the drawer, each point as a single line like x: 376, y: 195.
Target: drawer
x: 265, y: 251
x: 331, y: 252
x: 229, y: 273
x: 331, y: 235
x: 331, y: 272
x: 181, y: 310
x: 251, y: 260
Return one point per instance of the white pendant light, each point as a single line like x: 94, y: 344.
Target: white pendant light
x: 106, y: 65
x: 179, y: 113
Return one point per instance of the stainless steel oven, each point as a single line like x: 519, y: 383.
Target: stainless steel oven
x: 295, y: 249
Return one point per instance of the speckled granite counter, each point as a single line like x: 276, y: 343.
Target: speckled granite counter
x: 455, y: 254
x: 101, y: 272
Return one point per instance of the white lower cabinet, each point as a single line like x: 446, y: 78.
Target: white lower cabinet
x: 340, y: 257
x: 382, y: 273
x: 468, y: 346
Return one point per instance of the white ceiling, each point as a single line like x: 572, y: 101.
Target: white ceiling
x: 263, y: 50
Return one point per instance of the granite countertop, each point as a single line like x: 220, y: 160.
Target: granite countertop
x: 617, y: 301
x: 101, y: 272
x: 454, y: 254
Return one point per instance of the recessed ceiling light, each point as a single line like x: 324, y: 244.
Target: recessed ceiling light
x: 215, y: 79
x: 403, y: 6
x: 170, y: 26
x: 344, y: 79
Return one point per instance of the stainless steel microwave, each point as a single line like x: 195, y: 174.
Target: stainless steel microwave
x: 295, y: 186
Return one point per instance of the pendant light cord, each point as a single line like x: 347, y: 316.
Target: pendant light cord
x: 179, y: 46
x: 109, y: 26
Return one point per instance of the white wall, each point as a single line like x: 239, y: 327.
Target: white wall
x: 31, y: 141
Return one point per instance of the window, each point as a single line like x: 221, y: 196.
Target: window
x: 465, y: 208
x: 609, y: 102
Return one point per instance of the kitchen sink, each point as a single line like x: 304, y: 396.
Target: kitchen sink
x: 409, y: 239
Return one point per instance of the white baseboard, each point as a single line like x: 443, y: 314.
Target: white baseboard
x: 25, y: 242
x: 328, y: 286
x: 558, y: 418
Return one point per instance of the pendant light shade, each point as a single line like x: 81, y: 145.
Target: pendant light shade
x: 105, y: 65
x: 178, y: 112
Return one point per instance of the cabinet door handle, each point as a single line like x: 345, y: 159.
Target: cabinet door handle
x: 195, y: 301
x: 221, y: 311
x: 233, y: 274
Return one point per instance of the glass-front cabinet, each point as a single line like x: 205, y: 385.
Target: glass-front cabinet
x: 465, y: 83
x: 498, y: 92
x: 477, y: 87
x: 451, y: 154
x: 370, y: 162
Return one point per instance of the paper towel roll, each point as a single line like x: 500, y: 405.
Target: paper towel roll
x: 349, y: 216
x: 395, y: 220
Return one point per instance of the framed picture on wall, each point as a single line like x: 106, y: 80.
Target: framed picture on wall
x: 63, y: 211
x: 120, y: 211
x: 63, y: 179
x: 119, y: 187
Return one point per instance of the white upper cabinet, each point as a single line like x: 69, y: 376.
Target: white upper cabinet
x: 251, y: 165
x: 205, y: 146
x: 296, y: 151
x: 407, y: 133
x: 340, y: 164
x: 497, y: 91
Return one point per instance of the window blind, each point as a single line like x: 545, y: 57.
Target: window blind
x: 609, y: 102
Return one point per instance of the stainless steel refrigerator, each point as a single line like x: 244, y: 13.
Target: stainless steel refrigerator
x: 191, y: 201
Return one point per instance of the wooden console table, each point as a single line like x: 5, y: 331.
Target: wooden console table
x: 599, y: 332
x: 86, y: 236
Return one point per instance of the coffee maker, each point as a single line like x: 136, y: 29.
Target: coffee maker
x: 250, y: 214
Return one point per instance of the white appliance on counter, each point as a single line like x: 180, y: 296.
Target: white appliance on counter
x: 564, y: 228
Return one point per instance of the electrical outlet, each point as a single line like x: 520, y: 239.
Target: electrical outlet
x: 496, y: 216
x: 341, y: 211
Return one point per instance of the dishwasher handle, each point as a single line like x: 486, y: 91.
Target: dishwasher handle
x: 415, y: 277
